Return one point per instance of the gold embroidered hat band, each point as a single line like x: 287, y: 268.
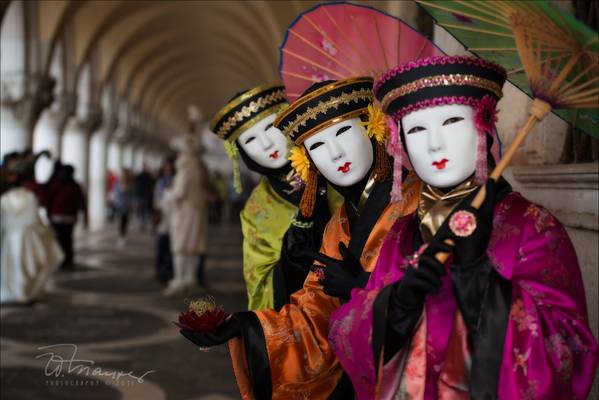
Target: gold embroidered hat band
x: 436, y: 81
x: 247, y: 108
x: 324, y: 106
x: 242, y: 112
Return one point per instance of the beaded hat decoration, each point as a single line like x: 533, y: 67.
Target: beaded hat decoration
x: 241, y: 113
x: 436, y: 81
x: 325, y: 104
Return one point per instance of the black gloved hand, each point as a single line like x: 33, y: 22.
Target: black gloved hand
x: 299, y: 245
x: 410, y: 292
x: 407, y: 297
x: 472, y: 249
x: 341, y: 276
x: 226, y: 331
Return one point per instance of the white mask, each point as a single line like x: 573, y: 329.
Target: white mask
x: 265, y: 144
x: 342, y: 152
x: 441, y: 143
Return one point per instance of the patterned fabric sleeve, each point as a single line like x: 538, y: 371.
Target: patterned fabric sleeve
x: 264, y: 220
x: 550, y: 352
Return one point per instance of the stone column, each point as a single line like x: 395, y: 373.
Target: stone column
x: 74, y: 145
x: 13, y: 84
x: 128, y: 156
x: 98, y: 169
x: 114, y: 159
x: 47, y: 134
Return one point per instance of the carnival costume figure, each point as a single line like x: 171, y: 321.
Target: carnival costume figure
x: 272, y: 271
x: 505, y: 317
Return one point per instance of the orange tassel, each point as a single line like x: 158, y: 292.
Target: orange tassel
x: 309, y: 195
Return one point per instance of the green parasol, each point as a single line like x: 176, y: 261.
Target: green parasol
x: 535, y: 42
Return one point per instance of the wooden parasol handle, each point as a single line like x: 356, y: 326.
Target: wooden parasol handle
x: 538, y: 111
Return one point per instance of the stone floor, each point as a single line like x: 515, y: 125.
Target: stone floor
x: 105, y: 331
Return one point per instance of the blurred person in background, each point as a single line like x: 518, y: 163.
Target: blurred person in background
x: 111, y: 181
x: 164, y: 262
x: 64, y: 199
x: 30, y: 253
x: 207, y: 187
x: 144, y: 195
x: 186, y: 201
x: 122, y: 195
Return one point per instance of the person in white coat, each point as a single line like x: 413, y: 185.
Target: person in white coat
x: 187, y: 203
x: 30, y: 252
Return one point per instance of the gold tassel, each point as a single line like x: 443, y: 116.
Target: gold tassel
x: 382, y: 167
x: 309, y: 196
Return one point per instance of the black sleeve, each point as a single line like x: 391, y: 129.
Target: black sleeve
x: 487, y: 353
x: 280, y: 282
x: 469, y: 285
x: 256, y: 354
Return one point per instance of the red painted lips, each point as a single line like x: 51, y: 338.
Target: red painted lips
x: 274, y: 155
x: 440, y: 164
x: 344, y: 168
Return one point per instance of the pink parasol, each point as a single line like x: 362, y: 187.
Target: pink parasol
x: 342, y: 40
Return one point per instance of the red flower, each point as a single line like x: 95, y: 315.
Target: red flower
x: 208, y: 321
x: 202, y: 315
x: 486, y: 114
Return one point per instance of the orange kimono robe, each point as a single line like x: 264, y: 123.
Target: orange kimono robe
x: 295, y: 351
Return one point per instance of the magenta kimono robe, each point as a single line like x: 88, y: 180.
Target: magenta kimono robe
x: 548, y: 350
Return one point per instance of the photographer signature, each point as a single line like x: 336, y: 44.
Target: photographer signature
x: 58, y: 366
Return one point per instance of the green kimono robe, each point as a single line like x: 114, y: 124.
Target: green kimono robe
x: 264, y: 220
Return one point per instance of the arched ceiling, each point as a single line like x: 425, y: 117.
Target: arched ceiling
x: 163, y: 55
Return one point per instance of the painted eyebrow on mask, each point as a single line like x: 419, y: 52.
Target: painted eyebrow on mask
x: 342, y: 129
x: 268, y: 127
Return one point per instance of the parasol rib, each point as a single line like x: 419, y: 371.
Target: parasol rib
x: 563, y: 74
x: 581, y: 86
x: 378, y: 36
x: 477, y: 30
x: 304, y: 59
x: 306, y: 78
x: 424, y: 44
x: 477, y: 7
x: 584, y: 94
x: 324, y: 53
x: 326, y: 35
x: 353, y: 19
x: 347, y: 39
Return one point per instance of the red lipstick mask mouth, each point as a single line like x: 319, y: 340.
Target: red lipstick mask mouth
x: 440, y: 164
x: 274, y: 155
x: 344, y: 168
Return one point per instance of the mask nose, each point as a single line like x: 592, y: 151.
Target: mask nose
x: 435, y: 140
x: 335, y: 150
x: 265, y: 141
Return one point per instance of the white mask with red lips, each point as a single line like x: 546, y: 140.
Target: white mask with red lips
x: 265, y: 144
x: 442, y: 143
x: 342, y: 153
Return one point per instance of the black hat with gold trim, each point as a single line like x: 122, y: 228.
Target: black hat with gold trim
x: 325, y: 104
x: 438, y: 81
x: 242, y: 112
